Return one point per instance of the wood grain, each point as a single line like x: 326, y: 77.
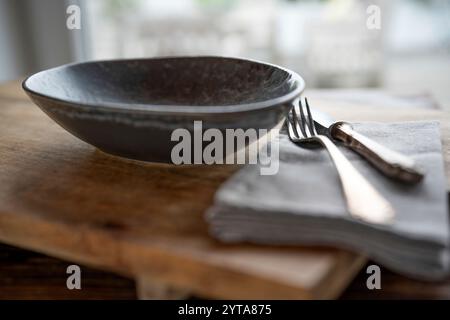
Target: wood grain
x: 29, y: 275
x: 396, y: 287
x: 62, y: 197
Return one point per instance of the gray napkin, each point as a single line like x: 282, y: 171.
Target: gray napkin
x: 303, y: 203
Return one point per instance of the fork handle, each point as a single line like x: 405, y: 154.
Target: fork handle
x: 391, y: 163
x: 363, y: 200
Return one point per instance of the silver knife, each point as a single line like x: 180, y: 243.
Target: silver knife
x: 389, y: 162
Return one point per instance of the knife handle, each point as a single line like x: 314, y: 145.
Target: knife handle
x: 391, y: 163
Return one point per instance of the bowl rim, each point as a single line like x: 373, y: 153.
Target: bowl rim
x: 174, y: 109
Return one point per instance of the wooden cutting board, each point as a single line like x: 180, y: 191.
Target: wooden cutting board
x: 62, y: 197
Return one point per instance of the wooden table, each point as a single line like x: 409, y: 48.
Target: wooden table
x: 30, y: 275
x: 61, y: 197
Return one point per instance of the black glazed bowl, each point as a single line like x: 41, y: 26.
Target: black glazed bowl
x: 130, y: 108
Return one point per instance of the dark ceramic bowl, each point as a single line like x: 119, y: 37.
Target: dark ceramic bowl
x: 130, y: 108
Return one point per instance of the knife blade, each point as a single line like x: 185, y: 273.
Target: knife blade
x: 323, y: 122
x: 392, y: 163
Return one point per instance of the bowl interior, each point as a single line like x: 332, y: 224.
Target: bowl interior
x: 190, y: 81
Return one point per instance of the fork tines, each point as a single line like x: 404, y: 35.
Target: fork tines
x: 300, y: 123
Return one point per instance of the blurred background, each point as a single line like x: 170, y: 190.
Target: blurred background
x: 404, y: 47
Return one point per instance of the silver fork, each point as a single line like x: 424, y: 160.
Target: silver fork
x: 363, y: 200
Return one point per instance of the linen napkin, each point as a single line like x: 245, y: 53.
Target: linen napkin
x: 303, y: 203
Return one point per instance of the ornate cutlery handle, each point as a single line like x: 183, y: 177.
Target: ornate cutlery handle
x: 391, y: 163
x: 363, y: 200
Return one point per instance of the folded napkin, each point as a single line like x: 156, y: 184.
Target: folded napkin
x: 303, y: 203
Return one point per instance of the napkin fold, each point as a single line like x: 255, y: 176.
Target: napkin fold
x: 303, y: 203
